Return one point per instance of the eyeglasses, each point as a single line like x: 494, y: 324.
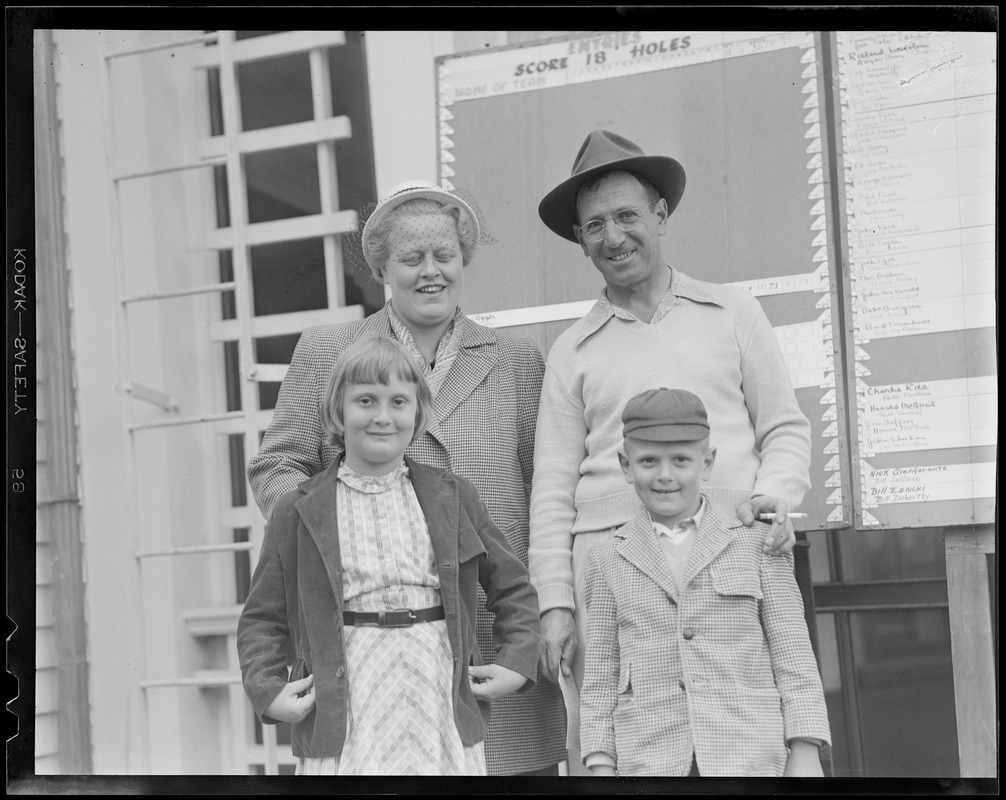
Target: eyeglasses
x: 593, y: 230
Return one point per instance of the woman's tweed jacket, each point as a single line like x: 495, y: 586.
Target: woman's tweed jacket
x: 722, y: 667
x: 485, y: 414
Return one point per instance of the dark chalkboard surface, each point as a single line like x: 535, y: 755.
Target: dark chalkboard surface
x: 743, y: 113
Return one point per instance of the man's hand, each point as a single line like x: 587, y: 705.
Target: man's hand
x: 493, y: 681
x: 780, y: 539
x: 558, y: 643
x: 294, y: 702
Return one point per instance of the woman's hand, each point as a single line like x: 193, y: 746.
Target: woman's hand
x: 294, y: 702
x: 492, y: 681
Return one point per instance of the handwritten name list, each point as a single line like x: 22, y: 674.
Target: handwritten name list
x: 918, y: 121
x: 933, y: 415
x: 918, y: 118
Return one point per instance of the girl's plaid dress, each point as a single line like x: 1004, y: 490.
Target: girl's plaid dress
x: 400, y: 717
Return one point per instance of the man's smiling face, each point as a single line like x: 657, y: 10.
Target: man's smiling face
x: 628, y: 260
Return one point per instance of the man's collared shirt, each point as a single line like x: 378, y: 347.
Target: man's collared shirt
x: 682, y: 288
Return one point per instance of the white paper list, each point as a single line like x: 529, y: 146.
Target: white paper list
x: 918, y: 119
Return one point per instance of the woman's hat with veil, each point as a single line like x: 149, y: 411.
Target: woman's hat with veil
x: 370, y: 217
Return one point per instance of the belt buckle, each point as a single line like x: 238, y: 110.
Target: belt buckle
x: 396, y: 618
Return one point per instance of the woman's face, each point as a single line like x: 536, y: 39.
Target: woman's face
x: 424, y: 270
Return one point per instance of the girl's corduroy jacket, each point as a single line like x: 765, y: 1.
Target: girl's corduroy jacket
x: 293, y: 614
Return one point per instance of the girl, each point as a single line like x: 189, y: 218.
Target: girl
x: 366, y: 588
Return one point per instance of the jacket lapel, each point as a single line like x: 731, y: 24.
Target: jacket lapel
x: 437, y: 493
x: 475, y: 360
x: 715, y: 533
x: 641, y: 549
x: 317, y: 509
x: 377, y: 324
x: 438, y: 497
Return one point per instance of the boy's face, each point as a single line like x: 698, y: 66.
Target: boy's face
x: 667, y: 476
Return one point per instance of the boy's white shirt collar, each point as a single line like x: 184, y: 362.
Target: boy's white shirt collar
x: 681, y: 530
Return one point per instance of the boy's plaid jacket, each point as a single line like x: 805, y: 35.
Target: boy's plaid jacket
x: 722, y: 668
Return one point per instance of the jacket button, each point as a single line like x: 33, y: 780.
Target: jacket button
x: 340, y: 672
x: 687, y: 633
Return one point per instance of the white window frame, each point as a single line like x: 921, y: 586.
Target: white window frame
x: 241, y: 754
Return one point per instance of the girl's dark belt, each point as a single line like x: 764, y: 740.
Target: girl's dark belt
x: 396, y: 618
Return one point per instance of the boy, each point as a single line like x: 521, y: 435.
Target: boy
x: 698, y: 656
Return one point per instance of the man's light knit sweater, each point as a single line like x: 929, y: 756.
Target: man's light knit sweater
x: 715, y: 341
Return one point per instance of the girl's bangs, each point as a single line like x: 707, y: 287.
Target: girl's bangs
x: 379, y: 369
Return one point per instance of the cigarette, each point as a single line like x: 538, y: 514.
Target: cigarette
x: 791, y: 515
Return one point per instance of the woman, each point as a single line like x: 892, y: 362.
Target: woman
x: 418, y: 239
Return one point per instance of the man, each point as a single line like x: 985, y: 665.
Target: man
x: 652, y: 326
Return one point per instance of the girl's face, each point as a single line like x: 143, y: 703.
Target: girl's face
x: 379, y: 422
x: 424, y: 271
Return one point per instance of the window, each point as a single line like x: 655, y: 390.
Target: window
x: 287, y: 273
x: 270, y: 183
x: 883, y: 634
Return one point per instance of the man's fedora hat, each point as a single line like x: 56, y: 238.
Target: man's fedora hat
x: 603, y: 151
